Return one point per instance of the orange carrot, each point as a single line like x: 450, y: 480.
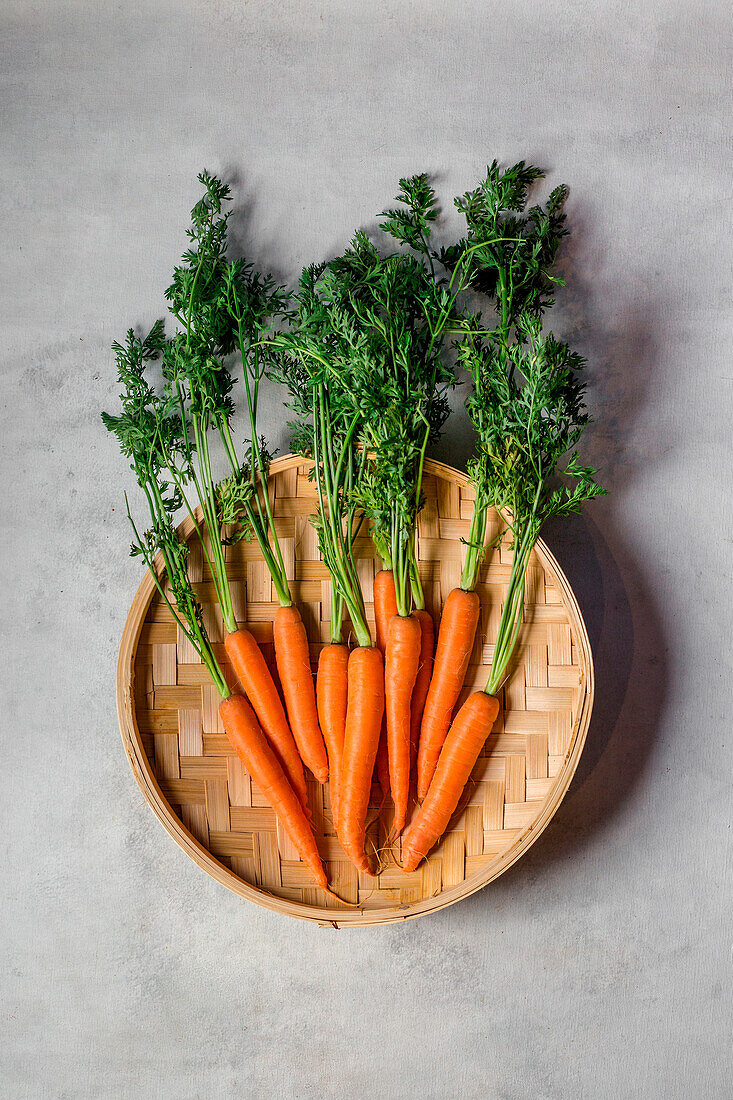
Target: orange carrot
x: 385, y: 606
x: 383, y: 760
x: 422, y: 681
x: 250, y: 666
x: 363, y: 723
x: 331, y: 696
x: 401, y: 662
x: 455, y: 642
x: 461, y: 748
x: 296, y: 679
x: 259, y: 759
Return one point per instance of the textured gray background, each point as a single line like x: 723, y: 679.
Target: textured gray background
x: 599, y: 967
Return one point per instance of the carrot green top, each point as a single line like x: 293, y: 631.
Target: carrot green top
x: 527, y: 400
x: 376, y: 325
x: 220, y: 305
x: 363, y: 347
x: 149, y: 434
x: 325, y: 429
x: 224, y: 305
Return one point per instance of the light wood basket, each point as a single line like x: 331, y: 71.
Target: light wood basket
x: 180, y: 756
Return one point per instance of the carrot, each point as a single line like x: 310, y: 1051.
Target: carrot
x: 422, y: 681
x: 385, y: 606
x: 259, y: 759
x: 461, y: 748
x: 383, y: 758
x: 455, y: 641
x: 296, y: 678
x: 331, y: 696
x: 401, y: 662
x: 325, y: 431
x: 361, y: 739
x: 248, y: 662
x: 522, y: 446
x: 165, y: 553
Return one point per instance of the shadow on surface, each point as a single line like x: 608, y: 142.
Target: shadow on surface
x: 631, y: 687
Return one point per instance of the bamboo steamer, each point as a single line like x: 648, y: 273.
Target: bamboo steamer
x: 198, y: 788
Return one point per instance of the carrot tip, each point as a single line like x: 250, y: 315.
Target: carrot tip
x: 342, y: 901
x: 410, y: 862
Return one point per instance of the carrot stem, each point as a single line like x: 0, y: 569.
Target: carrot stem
x: 475, y: 542
x: 511, y: 615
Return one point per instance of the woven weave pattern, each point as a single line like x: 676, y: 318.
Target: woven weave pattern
x: 208, y: 788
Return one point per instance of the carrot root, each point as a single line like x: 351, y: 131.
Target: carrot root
x: 401, y: 663
x: 296, y: 678
x: 461, y: 748
x: 254, y: 750
x: 385, y: 606
x: 250, y: 666
x: 361, y: 739
x: 455, y: 641
x: 331, y: 697
x: 383, y: 759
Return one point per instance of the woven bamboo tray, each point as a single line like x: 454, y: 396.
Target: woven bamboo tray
x: 181, y: 758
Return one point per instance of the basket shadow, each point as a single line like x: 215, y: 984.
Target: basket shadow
x: 631, y: 688
x: 632, y: 677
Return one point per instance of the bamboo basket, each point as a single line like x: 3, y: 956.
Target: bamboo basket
x: 198, y: 788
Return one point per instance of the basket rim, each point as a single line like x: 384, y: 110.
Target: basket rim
x: 144, y: 774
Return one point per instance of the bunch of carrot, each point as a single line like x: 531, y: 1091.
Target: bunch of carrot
x: 362, y: 348
x: 221, y: 306
x: 358, y: 336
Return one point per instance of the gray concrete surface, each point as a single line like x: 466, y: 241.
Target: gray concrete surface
x: 599, y: 967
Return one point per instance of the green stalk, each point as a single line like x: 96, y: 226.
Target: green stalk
x: 178, y: 482
x: 511, y: 616
x: 418, y: 595
x: 400, y: 567
x: 337, y: 614
x: 206, y: 490
x: 265, y: 529
x: 257, y: 521
x: 475, y: 542
x: 279, y: 580
x: 226, y: 434
x: 186, y: 617
x: 445, y: 312
x: 208, y: 503
x: 334, y: 481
